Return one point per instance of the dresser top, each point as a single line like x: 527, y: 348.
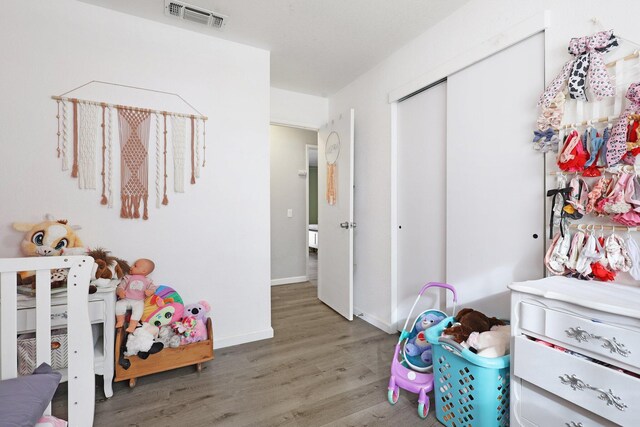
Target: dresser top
x: 608, y: 297
x: 61, y: 298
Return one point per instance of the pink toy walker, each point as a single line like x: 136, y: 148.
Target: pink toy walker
x: 402, y: 376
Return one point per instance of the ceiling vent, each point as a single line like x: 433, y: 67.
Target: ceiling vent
x: 193, y: 13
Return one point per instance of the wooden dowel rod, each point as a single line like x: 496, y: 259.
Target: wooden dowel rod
x: 127, y: 107
x: 626, y: 58
x: 603, y: 119
x: 598, y: 227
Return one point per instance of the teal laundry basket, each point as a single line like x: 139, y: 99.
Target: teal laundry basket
x: 470, y: 390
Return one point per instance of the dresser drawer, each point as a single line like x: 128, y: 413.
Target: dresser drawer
x: 612, y: 341
x: 542, y: 409
x: 26, y: 318
x: 604, y: 391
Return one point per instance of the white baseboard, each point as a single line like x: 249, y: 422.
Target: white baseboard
x: 243, y: 339
x: 289, y: 280
x: 375, y: 321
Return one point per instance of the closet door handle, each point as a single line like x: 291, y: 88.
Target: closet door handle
x: 578, y: 385
x: 612, y: 345
x: 345, y: 225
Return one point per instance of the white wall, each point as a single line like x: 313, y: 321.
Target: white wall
x: 476, y: 22
x: 298, y: 109
x: 211, y: 242
x: 288, y: 191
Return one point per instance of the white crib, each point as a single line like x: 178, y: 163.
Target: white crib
x: 80, y: 372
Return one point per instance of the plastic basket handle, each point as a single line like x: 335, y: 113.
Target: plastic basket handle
x: 448, y: 342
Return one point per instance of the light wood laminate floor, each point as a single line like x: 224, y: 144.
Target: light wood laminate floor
x: 318, y: 370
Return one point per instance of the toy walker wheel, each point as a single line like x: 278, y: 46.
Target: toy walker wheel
x: 423, y: 409
x: 199, y: 367
x: 393, y: 395
x: 132, y: 382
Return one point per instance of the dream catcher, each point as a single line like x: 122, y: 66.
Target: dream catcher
x: 332, y: 151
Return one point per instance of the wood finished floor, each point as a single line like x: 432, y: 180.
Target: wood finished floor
x: 318, y: 370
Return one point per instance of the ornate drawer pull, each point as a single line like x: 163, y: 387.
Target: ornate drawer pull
x: 578, y: 385
x: 573, y: 424
x: 614, y: 346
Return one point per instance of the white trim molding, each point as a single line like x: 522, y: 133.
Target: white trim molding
x: 289, y: 280
x: 242, y: 339
x: 505, y: 39
x: 374, y: 321
x: 293, y: 124
x: 394, y: 214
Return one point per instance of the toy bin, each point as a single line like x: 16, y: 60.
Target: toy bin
x: 470, y: 390
x: 27, y: 351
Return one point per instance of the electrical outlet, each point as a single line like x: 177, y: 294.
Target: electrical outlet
x: 290, y: 213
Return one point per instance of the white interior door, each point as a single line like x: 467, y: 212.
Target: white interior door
x: 421, y: 197
x: 335, y: 221
x: 495, y: 181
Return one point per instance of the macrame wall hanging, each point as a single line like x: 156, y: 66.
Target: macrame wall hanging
x: 85, y: 134
x: 332, y: 152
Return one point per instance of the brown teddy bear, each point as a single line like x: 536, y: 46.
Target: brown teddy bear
x: 468, y: 321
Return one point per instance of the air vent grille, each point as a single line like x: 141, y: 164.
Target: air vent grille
x: 174, y: 9
x: 217, y: 21
x: 195, y: 15
x: 192, y: 13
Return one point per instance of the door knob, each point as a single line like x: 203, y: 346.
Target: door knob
x: 345, y: 225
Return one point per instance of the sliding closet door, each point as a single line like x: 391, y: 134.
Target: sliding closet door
x: 421, y: 196
x: 495, y: 181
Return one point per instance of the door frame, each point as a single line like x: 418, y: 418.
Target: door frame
x: 522, y: 31
x: 316, y: 130
x: 308, y: 148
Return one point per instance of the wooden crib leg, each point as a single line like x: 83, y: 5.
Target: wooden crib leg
x: 132, y: 382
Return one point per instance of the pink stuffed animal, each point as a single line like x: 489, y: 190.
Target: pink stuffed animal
x: 200, y: 310
x: 193, y: 326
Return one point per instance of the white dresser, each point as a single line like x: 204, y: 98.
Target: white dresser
x: 102, y: 317
x: 551, y: 387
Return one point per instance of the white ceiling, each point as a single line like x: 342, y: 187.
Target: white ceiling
x: 317, y: 46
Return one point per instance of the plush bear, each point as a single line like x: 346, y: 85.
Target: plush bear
x: 468, y: 321
x: 418, y: 345
x: 428, y: 320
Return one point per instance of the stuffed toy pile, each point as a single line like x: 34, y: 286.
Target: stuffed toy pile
x: 167, y: 323
x: 485, y: 336
x: 193, y: 326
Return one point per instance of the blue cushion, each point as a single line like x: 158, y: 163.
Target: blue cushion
x: 24, y: 399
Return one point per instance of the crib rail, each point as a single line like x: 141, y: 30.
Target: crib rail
x: 81, y: 380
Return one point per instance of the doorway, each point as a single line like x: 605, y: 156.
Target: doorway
x: 289, y: 187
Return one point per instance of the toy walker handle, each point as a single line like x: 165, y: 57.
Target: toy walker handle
x: 440, y: 285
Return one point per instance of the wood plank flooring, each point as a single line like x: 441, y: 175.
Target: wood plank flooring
x: 318, y: 370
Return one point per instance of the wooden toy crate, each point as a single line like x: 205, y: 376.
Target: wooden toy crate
x: 169, y: 358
